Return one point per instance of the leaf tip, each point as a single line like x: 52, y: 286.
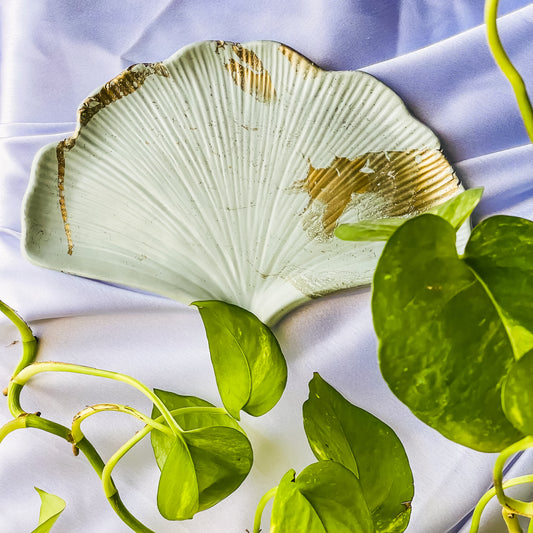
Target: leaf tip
x: 343, y: 232
x: 234, y: 413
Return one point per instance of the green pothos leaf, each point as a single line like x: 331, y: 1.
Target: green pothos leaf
x: 249, y: 366
x: 188, y: 416
x: 500, y: 252
x: 325, y: 498
x: 217, y: 448
x: 369, y: 230
x: 177, y: 492
x: 444, y: 340
x: 456, y: 211
x: 339, y: 431
x: 517, y: 394
x: 51, y: 507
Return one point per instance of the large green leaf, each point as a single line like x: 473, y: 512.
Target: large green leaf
x: 51, y: 507
x: 517, y: 394
x: 456, y: 211
x: 443, y: 348
x: 178, y: 493
x: 249, y: 366
x: 325, y: 498
x: 340, y: 431
x: 500, y: 251
x: 221, y: 453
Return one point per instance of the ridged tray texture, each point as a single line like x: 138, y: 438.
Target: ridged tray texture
x: 222, y: 172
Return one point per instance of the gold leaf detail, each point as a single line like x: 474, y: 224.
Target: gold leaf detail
x: 301, y: 64
x: 407, y: 182
x: 60, y: 153
x: 125, y: 83
x: 250, y: 75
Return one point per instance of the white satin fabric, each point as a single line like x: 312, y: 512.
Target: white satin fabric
x: 52, y: 55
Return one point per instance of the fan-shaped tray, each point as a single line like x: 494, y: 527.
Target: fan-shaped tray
x: 222, y: 172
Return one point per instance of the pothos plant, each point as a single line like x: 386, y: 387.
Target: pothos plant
x: 455, y: 345
x: 362, y: 481
x: 201, y: 450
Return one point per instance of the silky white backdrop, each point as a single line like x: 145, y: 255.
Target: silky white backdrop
x: 52, y: 55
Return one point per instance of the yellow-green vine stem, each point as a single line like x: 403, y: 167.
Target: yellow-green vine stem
x: 511, y: 504
x: 12, y: 425
x: 200, y: 409
x: 26, y: 334
x: 484, y: 500
x: 23, y: 420
x: 261, y: 507
x: 503, y: 61
x: 107, y: 482
x: 29, y: 353
x: 77, y: 434
x: 50, y: 366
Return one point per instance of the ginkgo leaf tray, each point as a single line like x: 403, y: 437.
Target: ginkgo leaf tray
x: 222, y: 173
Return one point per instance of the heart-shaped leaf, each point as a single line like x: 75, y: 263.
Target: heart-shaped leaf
x: 443, y: 346
x: 325, y: 498
x: 249, y: 366
x: 187, y: 419
x: 517, y: 394
x: 338, y: 430
x: 456, y: 211
x: 51, y: 507
x: 178, y: 493
x: 222, y: 458
x: 221, y: 453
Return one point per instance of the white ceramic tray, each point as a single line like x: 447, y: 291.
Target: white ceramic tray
x: 222, y: 172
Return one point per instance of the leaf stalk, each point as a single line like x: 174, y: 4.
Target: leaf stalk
x: 50, y: 366
x: 484, y: 500
x: 77, y: 434
x: 261, y: 507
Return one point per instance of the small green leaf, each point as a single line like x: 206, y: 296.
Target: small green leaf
x: 443, y: 347
x: 369, y: 230
x: 517, y: 394
x: 187, y: 419
x: 456, y: 211
x: 324, y: 498
x: 220, y: 451
x: 177, y: 493
x: 339, y: 431
x: 51, y: 507
x: 249, y: 366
